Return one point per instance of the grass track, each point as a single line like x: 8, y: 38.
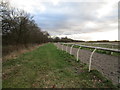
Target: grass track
x: 47, y: 67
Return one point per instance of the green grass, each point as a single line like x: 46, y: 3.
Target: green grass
x: 98, y: 51
x: 102, y: 45
x: 48, y: 67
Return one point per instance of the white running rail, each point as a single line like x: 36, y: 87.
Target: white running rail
x: 95, y: 48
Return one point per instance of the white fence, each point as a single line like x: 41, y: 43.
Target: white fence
x: 95, y: 48
x: 64, y: 46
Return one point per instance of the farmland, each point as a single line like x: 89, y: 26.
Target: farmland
x: 48, y: 67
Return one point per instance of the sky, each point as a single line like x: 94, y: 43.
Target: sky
x: 77, y: 19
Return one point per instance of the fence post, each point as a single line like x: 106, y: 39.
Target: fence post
x: 78, y: 53
x: 66, y: 47
x: 57, y: 46
x: 62, y: 47
x: 91, y: 59
x: 71, y: 49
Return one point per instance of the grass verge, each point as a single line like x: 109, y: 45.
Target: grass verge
x: 48, y: 67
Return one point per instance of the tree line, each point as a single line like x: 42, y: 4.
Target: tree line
x: 18, y: 27
x: 64, y: 39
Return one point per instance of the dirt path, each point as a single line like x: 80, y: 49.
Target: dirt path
x: 106, y: 64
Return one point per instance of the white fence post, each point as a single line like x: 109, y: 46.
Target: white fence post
x: 62, y: 47
x: 78, y: 53
x: 91, y: 59
x: 66, y: 47
x: 71, y: 49
x: 57, y: 46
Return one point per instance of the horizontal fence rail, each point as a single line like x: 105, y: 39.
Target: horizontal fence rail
x: 106, y: 64
x: 93, y: 47
x: 103, y: 43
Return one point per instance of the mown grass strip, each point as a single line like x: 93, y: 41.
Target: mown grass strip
x: 48, y: 67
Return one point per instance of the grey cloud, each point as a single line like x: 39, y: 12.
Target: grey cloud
x: 72, y: 17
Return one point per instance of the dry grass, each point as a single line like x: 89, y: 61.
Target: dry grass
x: 15, y: 51
x: 48, y: 67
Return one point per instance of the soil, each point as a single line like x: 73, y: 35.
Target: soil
x: 106, y: 64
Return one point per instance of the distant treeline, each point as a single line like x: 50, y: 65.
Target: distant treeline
x: 20, y: 30
x: 64, y: 39
x: 18, y: 27
x: 102, y: 41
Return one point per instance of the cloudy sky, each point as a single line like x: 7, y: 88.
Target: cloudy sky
x: 76, y: 19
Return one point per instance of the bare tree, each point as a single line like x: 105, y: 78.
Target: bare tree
x: 18, y: 27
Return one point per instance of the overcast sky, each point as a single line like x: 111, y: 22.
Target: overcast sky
x: 76, y: 19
